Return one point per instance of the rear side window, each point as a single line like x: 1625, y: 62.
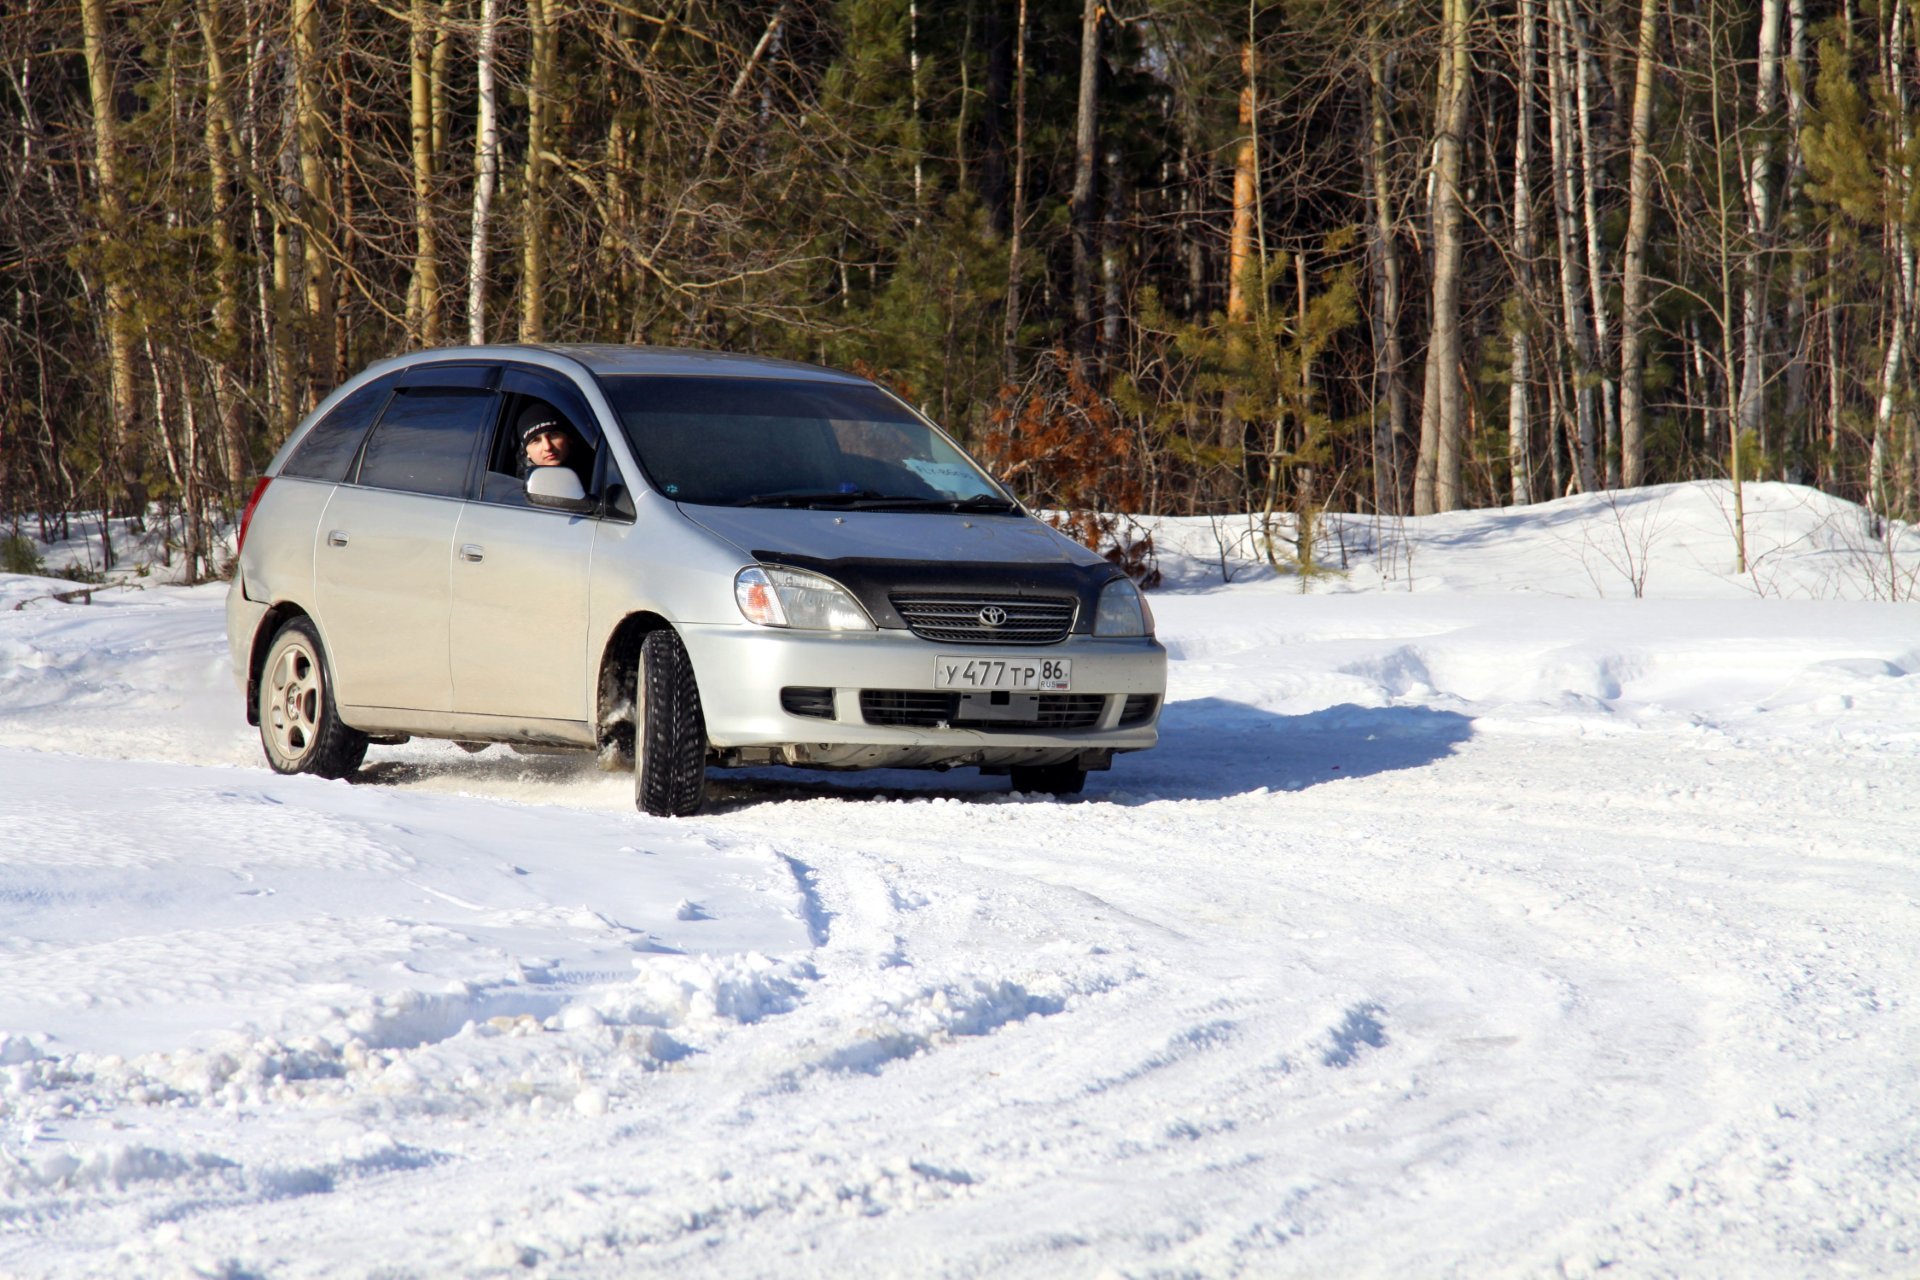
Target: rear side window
x: 425, y: 440
x: 326, y: 451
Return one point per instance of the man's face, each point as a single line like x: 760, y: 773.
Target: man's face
x: 548, y: 448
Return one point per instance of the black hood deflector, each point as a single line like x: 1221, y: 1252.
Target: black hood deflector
x: 873, y: 581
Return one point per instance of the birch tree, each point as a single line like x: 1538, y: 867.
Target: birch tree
x: 1633, y: 278
x: 486, y: 166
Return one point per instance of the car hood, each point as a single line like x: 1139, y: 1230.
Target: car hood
x: 891, y: 535
x: 878, y: 555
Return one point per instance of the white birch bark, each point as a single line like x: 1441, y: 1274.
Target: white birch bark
x: 486, y: 176
x: 1520, y: 368
x: 1879, y: 497
x: 1584, y: 78
x: 1572, y: 276
x: 1759, y: 224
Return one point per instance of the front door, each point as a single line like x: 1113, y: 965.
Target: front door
x: 519, y: 586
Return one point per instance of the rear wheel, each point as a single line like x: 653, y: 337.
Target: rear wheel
x: 299, y: 726
x: 670, y: 735
x: 1050, y: 779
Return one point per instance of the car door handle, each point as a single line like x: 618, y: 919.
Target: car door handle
x: 337, y: 538
x: 470, y: 551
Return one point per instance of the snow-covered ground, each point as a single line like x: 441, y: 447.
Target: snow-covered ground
x: 1474, y: 917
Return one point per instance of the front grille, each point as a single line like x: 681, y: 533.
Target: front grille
x: 807, y: 700
x: 907, y: 707
x: 1139, y: 709
x: 919, y: 709
x: 955, y: 619
x: 1071, y: 710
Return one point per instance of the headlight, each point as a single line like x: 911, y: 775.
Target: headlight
x: 1123, y: 611
x: 774, y: 597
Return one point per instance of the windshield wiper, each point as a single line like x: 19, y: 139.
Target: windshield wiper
x: 985, y: 502
x: 978, y: 502
x: 823, y: 498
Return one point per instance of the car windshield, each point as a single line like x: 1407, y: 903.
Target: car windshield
x: 742, y: 442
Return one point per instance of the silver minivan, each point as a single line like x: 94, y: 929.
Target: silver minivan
x: 679, y: 560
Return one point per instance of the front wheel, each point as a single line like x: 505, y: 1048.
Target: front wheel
x: 299, y: 725
x: 670, y: 734
x: 1050, y: 779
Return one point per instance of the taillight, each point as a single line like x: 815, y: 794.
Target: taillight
x: 246, y: 513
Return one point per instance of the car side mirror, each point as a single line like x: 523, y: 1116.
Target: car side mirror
x: 557, y: 488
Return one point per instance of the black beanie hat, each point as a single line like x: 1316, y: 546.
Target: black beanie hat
x: 536, y: 418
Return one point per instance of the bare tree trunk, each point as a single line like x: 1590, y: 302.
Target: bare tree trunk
x: 316, y: 196
x: 1085, y: 167
x: 1246, y: 157
x: 1590, y: 168
x: 1520, y: 369
x: 1444, y: 347
x: 1390, y: 430
x: 1724, y: 222
x: 272, y: 231
x: 113, y: 226
x: 1572, y: 278
x: 223, y: 160
x: 1797, y: 417
x: 1633, y: 281
x: 1111, y: 252
x: 344, y: 130
x: 533, y: 221
x: 913, y: 126
x: 1830, y: 479
x: 486, y: 175
x: 1759, y: 225
x: 1879, y: 491
x: 1010, y: 337
x: 423, y: 298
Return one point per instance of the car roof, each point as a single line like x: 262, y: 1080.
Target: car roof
x: 614, y: 359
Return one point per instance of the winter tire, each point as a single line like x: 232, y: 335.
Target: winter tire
x: 1050, y: 779
x: 299, y: 726
x: 670, y: 735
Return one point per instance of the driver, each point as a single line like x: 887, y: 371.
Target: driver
x: 547, y: 441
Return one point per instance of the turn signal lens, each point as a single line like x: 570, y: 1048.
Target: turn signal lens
x: 757, y: 599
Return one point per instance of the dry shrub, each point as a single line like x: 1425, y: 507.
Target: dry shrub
x: 1062, y: 446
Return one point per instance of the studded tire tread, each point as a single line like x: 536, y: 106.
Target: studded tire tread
x: 670, y: 768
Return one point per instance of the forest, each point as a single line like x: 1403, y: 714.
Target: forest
x: 1166, y: 256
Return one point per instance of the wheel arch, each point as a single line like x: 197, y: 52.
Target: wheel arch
x: 270, y: 623
x: 613, y: 690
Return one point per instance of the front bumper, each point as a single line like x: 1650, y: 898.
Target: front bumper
x: 742, y: 669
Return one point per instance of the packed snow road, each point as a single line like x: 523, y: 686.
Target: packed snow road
x: 1455, y: 932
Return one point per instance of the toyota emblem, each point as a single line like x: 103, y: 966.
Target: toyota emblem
x: 993, y: 616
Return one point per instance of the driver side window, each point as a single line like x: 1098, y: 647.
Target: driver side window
x: 543, y: 421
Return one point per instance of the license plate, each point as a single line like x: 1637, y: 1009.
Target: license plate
x: 1047, y: 675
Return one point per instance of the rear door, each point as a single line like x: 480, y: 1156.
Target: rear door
x: 520, y: 573
x: 385, y: 541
